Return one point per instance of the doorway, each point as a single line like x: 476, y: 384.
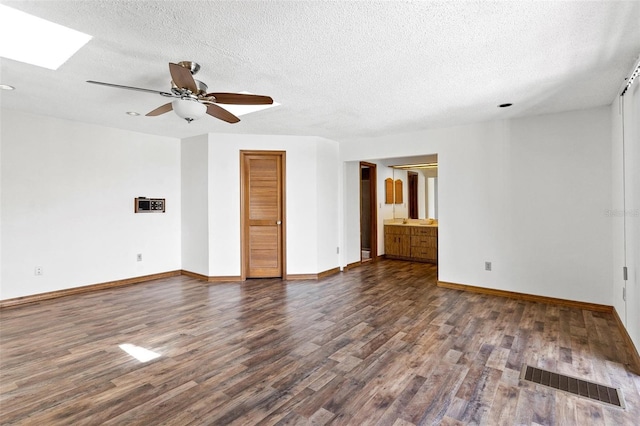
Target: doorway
x: 412, y: 177
x: 262, y: 208
x: 368, y: 212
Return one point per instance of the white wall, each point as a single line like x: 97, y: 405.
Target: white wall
x: 327, y: 207
x: 401, y: 210
x: 67, y: 203
x: 625, y: 207
x: 526, y: 194
x: 312, y: 197
x: 195, y: 204
x: 68, y: 191
x: 560, y: 181
x: 385, y: 211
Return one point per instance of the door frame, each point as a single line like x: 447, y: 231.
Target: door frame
x: 244, y: 247
x: 373, y: 196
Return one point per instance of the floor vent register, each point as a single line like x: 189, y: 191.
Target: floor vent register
x: 574, y: 386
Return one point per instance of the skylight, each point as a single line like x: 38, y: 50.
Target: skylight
x: 36, y: 41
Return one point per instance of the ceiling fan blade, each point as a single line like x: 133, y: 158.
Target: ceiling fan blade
x: 160, y: 110
x: 241, y: 99
x: 221, y: 113
x: 129, y: 88
x: 182, y: 77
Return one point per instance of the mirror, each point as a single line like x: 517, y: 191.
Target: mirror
x: 417, y: 178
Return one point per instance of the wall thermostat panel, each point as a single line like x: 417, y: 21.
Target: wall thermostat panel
x: 149, y: 205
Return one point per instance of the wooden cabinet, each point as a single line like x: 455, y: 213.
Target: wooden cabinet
x: 397, y: 241
x: 419, y: 243
x: 388, y: 191
x: 424, y: 243
x: 398, y: 191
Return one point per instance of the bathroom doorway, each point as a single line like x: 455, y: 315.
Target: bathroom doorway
x: 412, y: 177
x: 368, y: 212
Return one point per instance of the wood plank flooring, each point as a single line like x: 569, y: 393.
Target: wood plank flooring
x: 379, y: 344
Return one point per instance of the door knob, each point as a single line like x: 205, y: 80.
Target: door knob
x: 279, y: 222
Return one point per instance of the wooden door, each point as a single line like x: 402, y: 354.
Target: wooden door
x: 263, y: 213
x: 368, y: 212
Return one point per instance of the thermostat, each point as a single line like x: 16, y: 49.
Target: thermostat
x: 149, y: 205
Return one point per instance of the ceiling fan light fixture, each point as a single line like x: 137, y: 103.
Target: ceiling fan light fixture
x: 189, y: 109
x: 192, y: 101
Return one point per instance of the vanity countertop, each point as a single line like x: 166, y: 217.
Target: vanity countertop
x: 410, y: 222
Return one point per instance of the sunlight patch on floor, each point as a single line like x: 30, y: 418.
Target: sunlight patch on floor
x: 139, y: 353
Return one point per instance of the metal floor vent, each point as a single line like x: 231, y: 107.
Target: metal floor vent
x: 574, y: 386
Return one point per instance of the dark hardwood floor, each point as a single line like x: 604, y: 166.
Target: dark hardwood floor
x: 379, y: 344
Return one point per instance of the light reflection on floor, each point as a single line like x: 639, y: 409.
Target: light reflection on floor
x: 139, y: 353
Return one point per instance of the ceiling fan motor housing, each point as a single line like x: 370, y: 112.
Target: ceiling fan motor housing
x: 194, y: 67
x: 202, y: 89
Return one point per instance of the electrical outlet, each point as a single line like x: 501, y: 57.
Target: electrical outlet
x: 139, y: 257
x: 337, y: 250
x: 487, y: 266
x: 37, y: 270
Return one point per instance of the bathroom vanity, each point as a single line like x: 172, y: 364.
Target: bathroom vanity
x: 415, y: 240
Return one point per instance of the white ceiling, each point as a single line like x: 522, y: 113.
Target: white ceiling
x: 341, y: 70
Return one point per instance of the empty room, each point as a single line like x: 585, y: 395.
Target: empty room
x: 319, y: 212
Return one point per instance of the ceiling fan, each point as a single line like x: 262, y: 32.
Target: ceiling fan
x: 191, y: 98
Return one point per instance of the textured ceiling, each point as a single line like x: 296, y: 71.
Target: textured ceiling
x: 341, y: 70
